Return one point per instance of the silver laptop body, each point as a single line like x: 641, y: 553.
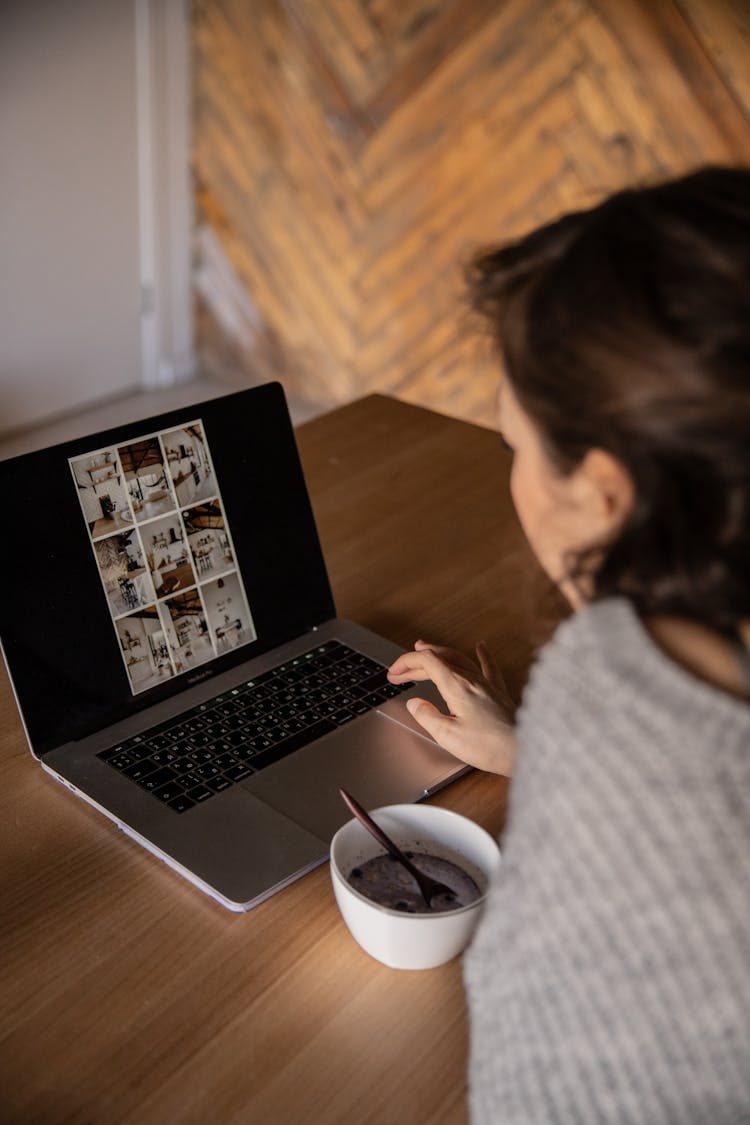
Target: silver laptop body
x: 175, y: 561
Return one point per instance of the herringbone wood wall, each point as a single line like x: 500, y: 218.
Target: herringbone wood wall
x: 350, y: 154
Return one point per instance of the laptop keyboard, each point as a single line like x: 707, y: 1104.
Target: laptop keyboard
x: 191, y: 757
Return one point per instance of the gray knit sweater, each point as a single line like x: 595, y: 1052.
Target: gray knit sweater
x: 609, y: 978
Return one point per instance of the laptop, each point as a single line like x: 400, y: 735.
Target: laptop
x: 173, y: 645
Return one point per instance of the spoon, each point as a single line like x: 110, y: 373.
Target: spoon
x: 430, y: 889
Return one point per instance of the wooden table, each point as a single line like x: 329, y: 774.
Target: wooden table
x: 129, y: 996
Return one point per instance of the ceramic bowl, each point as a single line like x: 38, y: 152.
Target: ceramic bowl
x: 412, y: 941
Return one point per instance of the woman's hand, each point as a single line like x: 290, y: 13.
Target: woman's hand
x: 479, y: 729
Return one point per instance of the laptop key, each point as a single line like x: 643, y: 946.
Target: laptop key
x: 344, y: 699
x: 181, y: 803
x: 138, y: 750
x: 307, y: 715
x: 200, y: 756
x: 221, y: 746
x: 348, y: 680
x: 229, y: 708
x: 200, y: 793
x: 159, y: 741
x: 139, y: 770
x: 218, y: 784
x: 243, y: 723
x: 263, y: 725
x: 244, y: 758
x: 260, y: 742
x: 207, y: 771
x: 189, y: 780
x: 296, y: 675
x: 285, y: 696
x: 165, y: 757
x: 111, y: 752
x: 376, y: 697
x: 372, y: 683
x: 251, y: 711
x: 192, y: 726
x: 259, y: 692
x: 238, y: 772
x: 174, y: 735
x: 317, y: 695
x: 343, y: 668
x: 315, y: 680
x: 365, y: 663
x: 329, y: 707
x: 168, y: 792
x: 122, y: 760
x: 181, y: 764
x: 180, y: 750
x: 158, y: 778
x: 276, y: 734
x: 293, y: 725
x: 134, y: 741
x: 201, y: 738
x: 224, y: 761
x: 237, y: 737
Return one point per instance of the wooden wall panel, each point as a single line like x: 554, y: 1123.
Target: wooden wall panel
x: 351, y: 154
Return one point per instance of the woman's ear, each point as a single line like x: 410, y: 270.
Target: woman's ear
x: 605, y: 493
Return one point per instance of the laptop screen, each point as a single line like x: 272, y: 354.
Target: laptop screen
x: 143, y: 559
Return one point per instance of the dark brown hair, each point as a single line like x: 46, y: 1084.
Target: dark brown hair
x: 627, y: 328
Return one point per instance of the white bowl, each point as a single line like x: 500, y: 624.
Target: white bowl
x: 412, y: 941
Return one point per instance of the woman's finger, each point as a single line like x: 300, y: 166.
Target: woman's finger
x: 425, y: 665
x: 439, y: 726
x: 490, y: 670
x: 450, y: 656
x: 408, y: 666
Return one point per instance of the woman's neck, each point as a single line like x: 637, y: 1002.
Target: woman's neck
x: 703, y: 652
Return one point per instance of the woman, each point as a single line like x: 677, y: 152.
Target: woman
x: 608, y: 979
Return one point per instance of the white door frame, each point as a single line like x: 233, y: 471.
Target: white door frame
x: 165, y: 194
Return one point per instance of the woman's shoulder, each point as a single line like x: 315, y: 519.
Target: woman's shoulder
x: 601, y: 642
x: 607, y: 638
x: 603, y: 666
x: 595, y: 629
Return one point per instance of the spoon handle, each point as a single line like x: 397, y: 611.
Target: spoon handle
x: 374, y: 827
x: 427, y: 886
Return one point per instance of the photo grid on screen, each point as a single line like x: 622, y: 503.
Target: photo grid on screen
x: 164, y: 552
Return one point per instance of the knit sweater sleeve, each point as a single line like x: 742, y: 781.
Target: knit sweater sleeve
x: 608, y: 979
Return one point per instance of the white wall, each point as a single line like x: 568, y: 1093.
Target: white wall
x: 73, y: 242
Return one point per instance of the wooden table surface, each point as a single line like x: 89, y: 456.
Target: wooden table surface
x: 126, y: 994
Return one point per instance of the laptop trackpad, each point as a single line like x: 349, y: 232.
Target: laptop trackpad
x: 379, y: 761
